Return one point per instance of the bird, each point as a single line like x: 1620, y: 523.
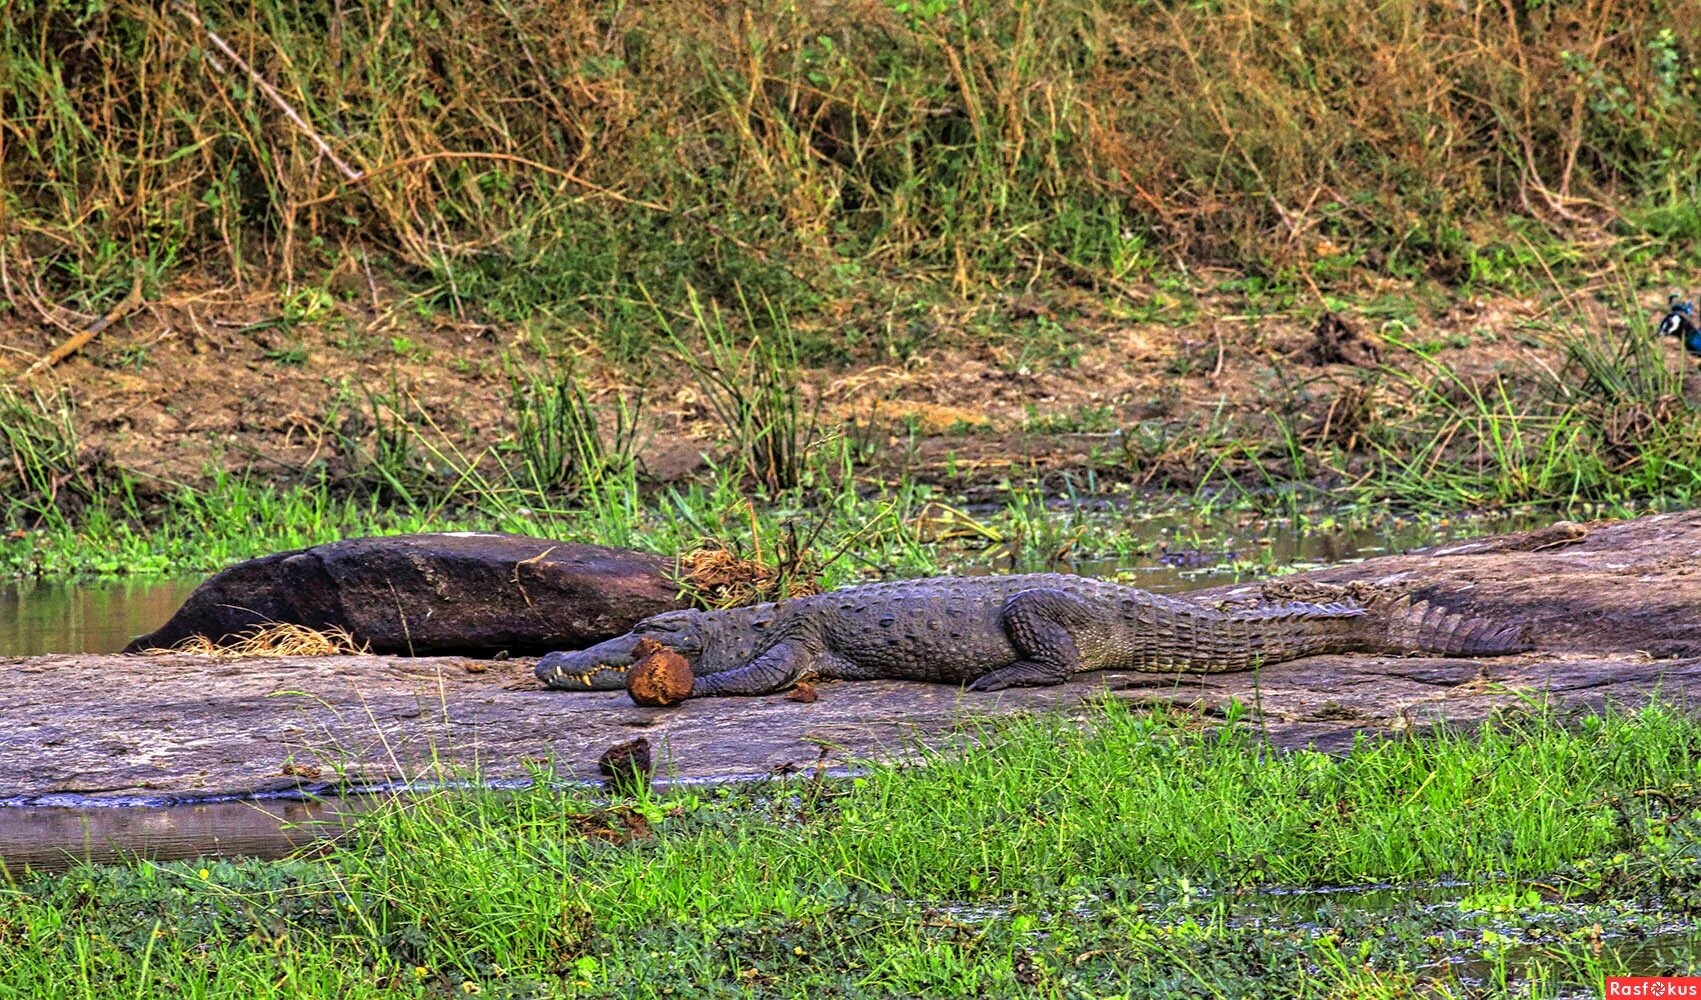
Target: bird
x: 1679, y: 322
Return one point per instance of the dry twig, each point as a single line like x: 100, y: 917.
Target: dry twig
x: 78, y: 342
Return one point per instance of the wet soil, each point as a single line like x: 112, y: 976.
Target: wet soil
x: 1616, y: 611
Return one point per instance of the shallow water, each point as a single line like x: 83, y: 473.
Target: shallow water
x: 53, y: 838
x: 1182, y: 553
x: 54, y: 617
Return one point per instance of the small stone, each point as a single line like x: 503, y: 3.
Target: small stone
x: 804, y: 692
x: 659, y: 677
x: 626, y: 766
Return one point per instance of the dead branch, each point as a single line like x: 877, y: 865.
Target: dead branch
x: 77, y: 342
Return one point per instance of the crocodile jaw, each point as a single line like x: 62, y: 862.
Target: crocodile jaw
x: 599, y: 668
x: 603, y: 667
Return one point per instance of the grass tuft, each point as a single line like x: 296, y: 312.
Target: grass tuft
x: 558, y: 437
x: 42, y: 454
x: 754, y: 392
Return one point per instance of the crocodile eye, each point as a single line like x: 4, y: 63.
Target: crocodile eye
x: 675, y: 636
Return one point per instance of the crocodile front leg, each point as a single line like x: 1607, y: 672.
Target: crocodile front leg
x: 1042, y: 625
x: 773, y: 669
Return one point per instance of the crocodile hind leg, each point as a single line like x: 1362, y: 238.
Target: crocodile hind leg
x: 1039, y: 624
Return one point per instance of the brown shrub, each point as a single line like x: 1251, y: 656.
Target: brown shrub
x: 974, y: 136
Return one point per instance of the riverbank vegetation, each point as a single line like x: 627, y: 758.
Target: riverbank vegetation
x: 860, y: 290
x: 1608, y: 432
x: 1139, y: 854
x: 445, y: 263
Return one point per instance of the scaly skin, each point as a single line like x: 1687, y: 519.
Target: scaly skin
x: 1007, y: 631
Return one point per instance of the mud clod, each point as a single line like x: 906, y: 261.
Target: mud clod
x: 626, y: 767
x: 660, y: 677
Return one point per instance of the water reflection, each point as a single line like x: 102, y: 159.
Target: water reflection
x: 54, y: 838
x: 55, y: 617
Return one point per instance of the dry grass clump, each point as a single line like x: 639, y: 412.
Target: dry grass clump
x: 273, y: 639
x: 717, y: 577
x: 750, y: 138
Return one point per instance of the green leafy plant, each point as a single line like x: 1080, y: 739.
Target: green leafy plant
x: 754, y: 391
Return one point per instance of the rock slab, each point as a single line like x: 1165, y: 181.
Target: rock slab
x: 460, y: 592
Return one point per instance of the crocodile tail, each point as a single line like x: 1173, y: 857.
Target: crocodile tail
x: 1408, y: 627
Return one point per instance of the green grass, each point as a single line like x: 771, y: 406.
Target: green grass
x: 1124, y: 857
x: 888, y: 532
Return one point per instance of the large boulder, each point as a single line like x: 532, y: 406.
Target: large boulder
x: 472, y: 593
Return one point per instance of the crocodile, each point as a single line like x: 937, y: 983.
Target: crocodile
x: 1012, y: 631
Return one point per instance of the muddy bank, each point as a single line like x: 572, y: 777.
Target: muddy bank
x: 1616, y: 610
x: 215, y: 381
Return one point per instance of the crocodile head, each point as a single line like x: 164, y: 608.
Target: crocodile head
x: 603, y: 667
x: 711, y: 641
